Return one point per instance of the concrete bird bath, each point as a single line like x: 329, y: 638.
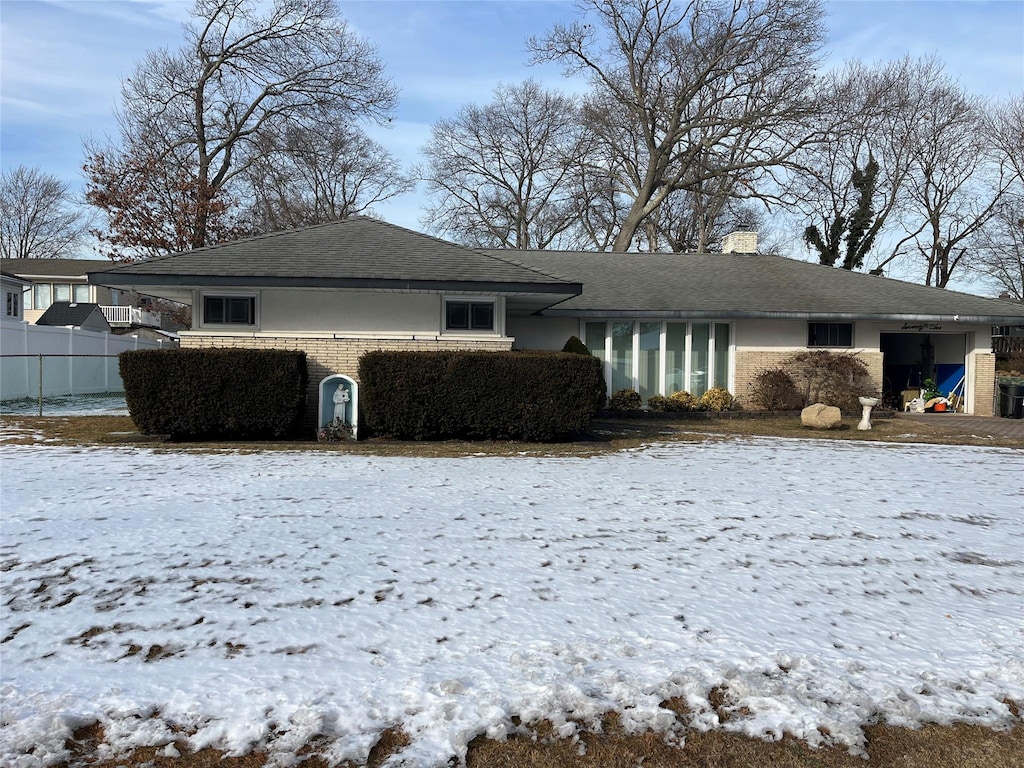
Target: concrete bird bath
x: 868, y: 403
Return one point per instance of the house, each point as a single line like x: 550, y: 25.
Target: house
x: 65, y: 280
x: 13, y: 289
x: 660, y: 322
x: 87, y: 317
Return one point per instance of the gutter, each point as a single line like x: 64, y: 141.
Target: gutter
x: 640, y: 314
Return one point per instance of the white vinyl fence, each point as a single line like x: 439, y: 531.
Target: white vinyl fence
x: 39, y: 362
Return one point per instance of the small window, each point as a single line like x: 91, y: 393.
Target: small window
x: 830, y: 334
x: 229, y: 310
x: 469, y: 316
x: 12, y: 304
x: 81, y: 294
x: 62, y: 292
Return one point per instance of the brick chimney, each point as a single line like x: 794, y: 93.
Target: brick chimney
x: 740, y: 241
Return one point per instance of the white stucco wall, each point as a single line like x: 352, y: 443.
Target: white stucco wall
x: 770, y: 334
x: 349, y: 311
x: 541, y: 333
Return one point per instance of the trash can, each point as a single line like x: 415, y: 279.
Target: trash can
x: 1011, y: 399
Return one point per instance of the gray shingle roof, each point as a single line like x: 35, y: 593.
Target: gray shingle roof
x: 67, y: 313
x: 739, y: 285
x: 356, y: 252
x: 69, y: 268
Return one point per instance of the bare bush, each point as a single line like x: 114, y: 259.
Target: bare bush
x: 774, y: 390
x: 832, y: 378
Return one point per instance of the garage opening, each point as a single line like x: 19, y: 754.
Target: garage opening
x: 908, y: 359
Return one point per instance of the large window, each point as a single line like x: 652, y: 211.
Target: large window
x: 469, y: 315
x: 662, y: 357
x: 42, y: 294
x: 81, y: 293
x: 700, y: 360
x: 650, y: 358
x: 229, y: 310
x: 830, y: 334
x: 622, y: 357
x: 594, y: 337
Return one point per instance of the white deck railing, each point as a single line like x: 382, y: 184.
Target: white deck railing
x: 125, y: 317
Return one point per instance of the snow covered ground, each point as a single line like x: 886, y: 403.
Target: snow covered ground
x: 73, y: 405
x: 259, y: 600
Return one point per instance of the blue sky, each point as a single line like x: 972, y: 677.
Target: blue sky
x: 62, y: 61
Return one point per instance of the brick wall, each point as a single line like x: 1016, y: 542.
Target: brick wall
x: 750, y: 362
x: 984, y: 384
x: 326, y: 356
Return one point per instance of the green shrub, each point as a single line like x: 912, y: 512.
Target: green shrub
x: 479, y: 395
x: 832, y: 378
x: 774, y: 390
x: 575, y: 346
x: 625, y: 400
x: 716, y: 399
x: 232, y: 394
x: 658, y: 403
x: 684, y: 401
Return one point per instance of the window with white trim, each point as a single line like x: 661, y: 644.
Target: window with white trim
x: 12, y: 301
x: 229, y: 310
x: 462, y: 315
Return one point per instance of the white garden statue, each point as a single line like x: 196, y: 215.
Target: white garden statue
x: 341, y: 398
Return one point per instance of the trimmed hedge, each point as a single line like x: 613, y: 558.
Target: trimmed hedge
x: 540, y: 396
x: 234, y: 394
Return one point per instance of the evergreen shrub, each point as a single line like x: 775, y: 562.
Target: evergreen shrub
x: 214, y: 394
x: 625, y: 400
x: 576, y: 346
x: 684, y: 401
x: 540, y: 396
x: 717, y: 399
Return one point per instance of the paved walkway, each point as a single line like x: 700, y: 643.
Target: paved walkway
x: 964, y: 424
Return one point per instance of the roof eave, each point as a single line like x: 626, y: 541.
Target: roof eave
x: 127, y: 279
x: 785, y: 315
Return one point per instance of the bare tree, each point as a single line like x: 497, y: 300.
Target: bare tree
x: 246, y: 68
x: 956, y: 183
x: 38, y: 217
x: 698, y: 90
x: 1000, y: 245
x: 500, y: 175
x: 852, y: 186
x: 320, y: 173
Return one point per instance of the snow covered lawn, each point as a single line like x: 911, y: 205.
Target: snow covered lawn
x: 259, y: 600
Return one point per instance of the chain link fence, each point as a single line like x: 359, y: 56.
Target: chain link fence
x: 61, y: 385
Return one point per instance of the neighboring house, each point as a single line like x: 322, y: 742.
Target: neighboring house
x: 13, y: 289
x: 660, y: 322
x: 87, y: 317
x: 65, y: 280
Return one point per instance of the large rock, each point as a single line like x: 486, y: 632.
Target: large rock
x: 820, y: 416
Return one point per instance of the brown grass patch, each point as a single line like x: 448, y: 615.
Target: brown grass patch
x: 606, y: 435
x: 932, y: 746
